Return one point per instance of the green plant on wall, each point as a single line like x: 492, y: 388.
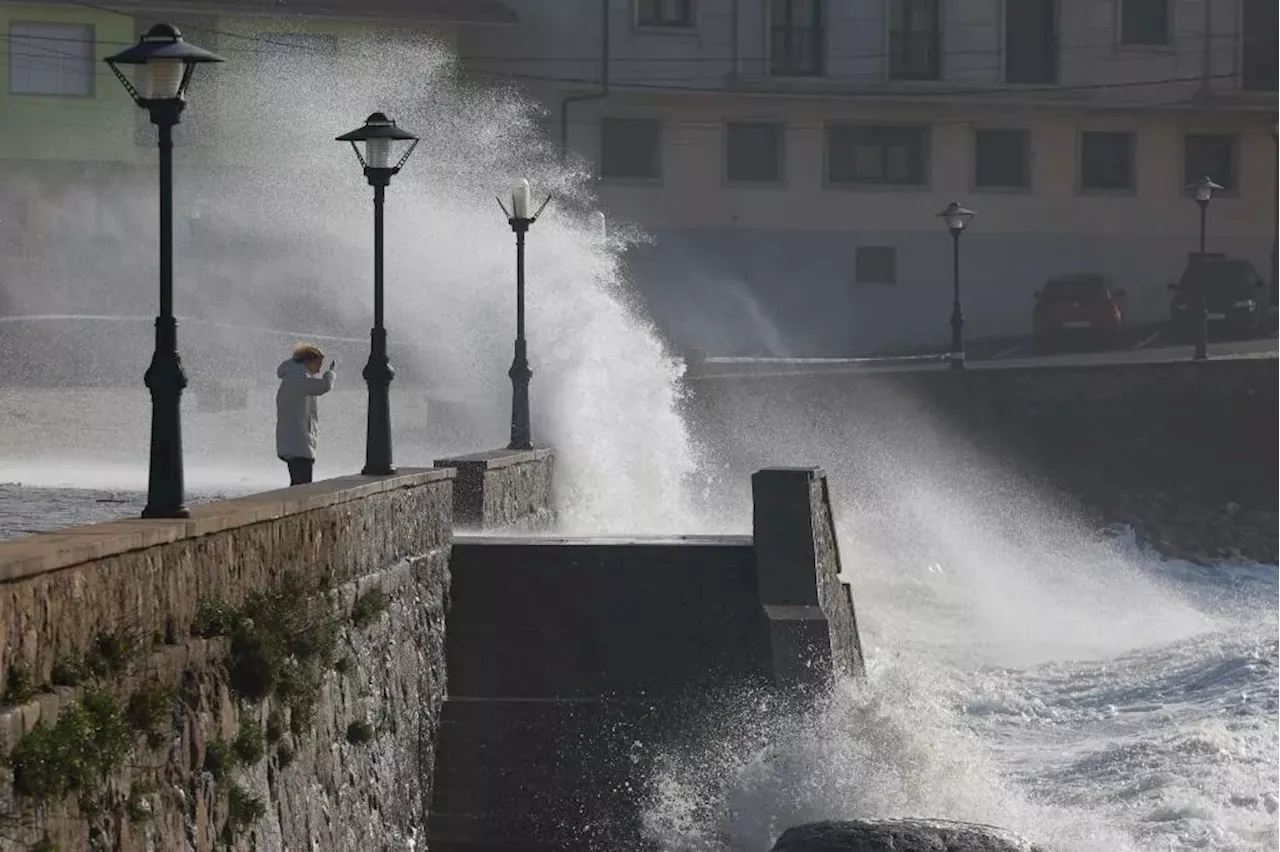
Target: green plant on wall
x: 19, y: 686
x: 282, y: 641
x: 150, y: 711
x: 89, y: 740
x: 244, y: 810
x: 368, y: 607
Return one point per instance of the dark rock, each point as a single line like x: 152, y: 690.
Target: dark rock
x: 900, y: 835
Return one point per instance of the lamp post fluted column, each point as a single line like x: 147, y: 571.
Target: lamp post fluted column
x: 1275, y: 217
x: 957, y: 313
x: 1202, y: 304
x: 519, y: 372
x: 378, y: 371
x: 380, y: 136
x: 956, y: 218
x: 164, y: 63
x: 165, y: 379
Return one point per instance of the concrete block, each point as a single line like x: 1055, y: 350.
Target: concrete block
x: 798, y: 577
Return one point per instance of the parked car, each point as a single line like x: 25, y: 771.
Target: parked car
x: 1077, y: 308
x: 1233, y: 295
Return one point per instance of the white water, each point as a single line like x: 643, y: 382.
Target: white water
x: 293, y: 213
x: 1128, y: 705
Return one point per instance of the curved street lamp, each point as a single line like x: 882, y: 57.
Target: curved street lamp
x: 956, y: 219
x: 386, y: 148
x: 1203, y: 192
x: 520, y: 220
x: 164, y: 64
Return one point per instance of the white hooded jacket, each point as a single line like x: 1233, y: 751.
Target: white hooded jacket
x: 296, y: 414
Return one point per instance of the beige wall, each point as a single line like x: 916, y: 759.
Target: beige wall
x: 691, y: 193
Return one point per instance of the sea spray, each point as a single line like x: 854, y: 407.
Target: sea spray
x: 275, y: 229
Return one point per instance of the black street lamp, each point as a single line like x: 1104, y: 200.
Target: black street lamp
x: 1203, y: 190
x: 381, y: 138
x: 520, y: 220
x: 164, y: 65
x: 1275, y: 220
x: 956, y: 218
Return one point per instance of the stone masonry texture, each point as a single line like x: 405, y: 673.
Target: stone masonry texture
x: 346, y: 538
x: 503, y: 489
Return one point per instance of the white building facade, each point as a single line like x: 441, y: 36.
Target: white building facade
x: 789, y: 155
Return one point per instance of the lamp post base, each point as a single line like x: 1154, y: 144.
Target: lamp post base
x: 521, y: 432
x: 378, y: 374
x: 166, y: 380
x: 957, y: 338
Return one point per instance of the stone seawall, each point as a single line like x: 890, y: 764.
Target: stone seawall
x: 1185, y: 452
x: 267, y: 673
x: 503, y: 489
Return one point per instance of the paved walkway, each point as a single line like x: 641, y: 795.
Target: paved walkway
x: 25, y: 510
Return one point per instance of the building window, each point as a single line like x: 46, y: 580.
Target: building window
x: 915, y: 36
x: 753, y: 152
x: 875, y: 265
x: 51, y: 59
x: 1214, y: 156
x: 1258, y: 54
x: 1031, y: 42
x: 1144, y: 22
x: 797, y: 42
x: 890, y: 156
x: 1106, y: 161
x: 1001, y: 159
x: 664, y: 13
x: 630, y: 148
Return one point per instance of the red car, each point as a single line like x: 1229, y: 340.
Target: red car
x: 1077, y: 308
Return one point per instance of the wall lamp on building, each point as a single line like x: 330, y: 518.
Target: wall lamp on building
x: 163, y: 64
x: 1202, y: 190
x: 956, y: 218
x: 520, y: 220
x: 386, y: 149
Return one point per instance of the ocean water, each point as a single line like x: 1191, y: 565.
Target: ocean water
x: 1139, y: 714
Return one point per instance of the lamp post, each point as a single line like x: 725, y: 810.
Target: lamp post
x: 956, y: 218
x: 381, y: 140
x: 520, y: 220
x: 164, y: 64
x: 1275, y: 220
x: 1203, y: 191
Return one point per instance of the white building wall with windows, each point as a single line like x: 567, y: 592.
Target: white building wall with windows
x: 791, y: 171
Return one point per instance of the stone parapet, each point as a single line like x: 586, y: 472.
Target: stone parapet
x: 503, y: 489
x: 369, y: 558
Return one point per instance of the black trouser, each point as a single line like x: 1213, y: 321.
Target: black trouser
x: 299, y: 470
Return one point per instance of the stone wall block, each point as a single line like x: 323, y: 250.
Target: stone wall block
x: 811, y: 626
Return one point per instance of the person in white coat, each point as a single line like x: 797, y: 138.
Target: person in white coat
x: 296, y: 410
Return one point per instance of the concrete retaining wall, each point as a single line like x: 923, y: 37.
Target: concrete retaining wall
x: 575, y: 663
x: 1135, y: 443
